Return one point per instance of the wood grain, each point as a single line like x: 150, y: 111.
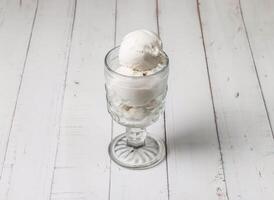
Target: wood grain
x: 82, y: 165
x: 13, y: 52
x: 244, y: 129
x: 194, y: 161
x: 34, y: 135
x: 258, y: 18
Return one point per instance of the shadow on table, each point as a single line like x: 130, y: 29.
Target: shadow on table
x: 192, y: 137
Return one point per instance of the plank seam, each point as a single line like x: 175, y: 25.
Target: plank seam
x: 167, y: 169
x: 63, y: 96
x: 115, y: 23
x: 164, y: 114
x: 19, y: 88
x: 157, y: 17
x: 110, y: 164
x: 256, y: 71
x: 114, y: 44
x: 211, y: 93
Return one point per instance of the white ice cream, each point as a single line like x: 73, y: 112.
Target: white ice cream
x: 136, y: 92
x: 141, y: 50
x: 140, y: 54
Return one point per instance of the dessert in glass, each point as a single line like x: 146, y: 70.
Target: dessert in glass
x: 136, y: 74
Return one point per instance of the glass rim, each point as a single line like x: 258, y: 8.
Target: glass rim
x: 166, y: 66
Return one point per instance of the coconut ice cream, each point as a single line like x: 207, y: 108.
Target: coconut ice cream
x: 141, y: 50
x: 136, y: 93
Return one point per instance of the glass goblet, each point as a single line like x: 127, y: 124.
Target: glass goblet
x: 135, y: 102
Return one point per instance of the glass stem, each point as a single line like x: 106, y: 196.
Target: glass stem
x: 136, y: 137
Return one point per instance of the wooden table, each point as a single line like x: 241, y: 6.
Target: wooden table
x: 218, y: 124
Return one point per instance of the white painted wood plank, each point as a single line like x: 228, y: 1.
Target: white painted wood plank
x: 82, y: 166
x: 138, y: 184
x: 3, y: 8
x: 194, y: 160
x: 14, y: 19
x: 33, y: 140
x: 245, y: 134
x: 133, y: 15
x: 259, y: 20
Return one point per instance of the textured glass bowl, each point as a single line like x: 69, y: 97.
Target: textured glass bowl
x: 135, y: 102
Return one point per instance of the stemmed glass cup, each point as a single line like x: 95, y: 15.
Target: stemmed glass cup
x: 135, y: 102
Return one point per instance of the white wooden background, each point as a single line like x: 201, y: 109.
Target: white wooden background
x: 54, y: 126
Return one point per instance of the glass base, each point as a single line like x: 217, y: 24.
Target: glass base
x: 142, y: 157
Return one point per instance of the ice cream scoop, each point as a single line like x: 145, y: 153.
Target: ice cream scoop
x: 141, y: 50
